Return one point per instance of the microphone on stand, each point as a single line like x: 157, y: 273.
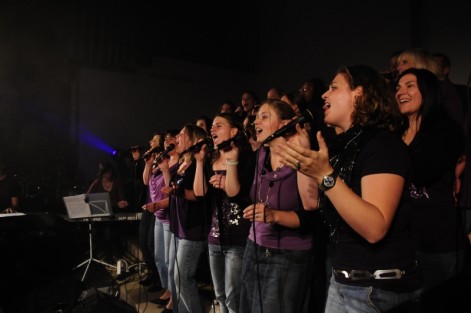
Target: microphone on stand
x: 162, y: 155
x: 197, y: 147
x: 226, y: 145
x: 305, y: 117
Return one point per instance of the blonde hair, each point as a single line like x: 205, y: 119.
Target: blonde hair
x: 421, y: 59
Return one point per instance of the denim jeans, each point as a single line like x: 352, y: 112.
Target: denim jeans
x: 437, y: 268
x: 356, y: 299
x: 173, y: 247
x: 161, y: 249
x: 276, y: 280
x: 226, y: 265
x: 186, y: 263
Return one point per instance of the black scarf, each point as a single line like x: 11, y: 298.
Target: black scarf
x: 344, y: 153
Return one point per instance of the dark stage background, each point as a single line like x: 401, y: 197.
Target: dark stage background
x: 81, y: 78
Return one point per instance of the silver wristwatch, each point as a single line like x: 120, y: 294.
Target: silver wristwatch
x: 328, y: 181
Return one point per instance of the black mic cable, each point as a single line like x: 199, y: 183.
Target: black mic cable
x: 305, y: 117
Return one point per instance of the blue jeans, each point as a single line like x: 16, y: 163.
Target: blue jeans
x: 226, y: 265
x: 355, y: 299
x: 173, y: 247
x: 161, y: 249
x: 437, y: 268
x: 188, y: 255
x: 277, y: 279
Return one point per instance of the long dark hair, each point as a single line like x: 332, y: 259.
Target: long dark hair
x: 431, y: 108
x: 234, y: 121
x: 195, y: 133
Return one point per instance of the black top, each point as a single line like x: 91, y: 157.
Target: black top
x: 228, y: 227
x: 435, y: 217
x: 188, y: 219
x: 380, y: 152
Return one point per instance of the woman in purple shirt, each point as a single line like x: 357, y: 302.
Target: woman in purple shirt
x: 277, y: 266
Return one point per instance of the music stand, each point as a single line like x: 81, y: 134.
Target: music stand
x: 89, y: 206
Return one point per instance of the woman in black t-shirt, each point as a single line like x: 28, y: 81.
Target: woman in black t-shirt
x: 435, y: 142
x: 362, y: 195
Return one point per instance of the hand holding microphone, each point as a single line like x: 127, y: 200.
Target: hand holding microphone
x: 226, y: 145
x: 305, y: 117
x: 162, y: 155
x: 148, y: 154
x: 197, y: 147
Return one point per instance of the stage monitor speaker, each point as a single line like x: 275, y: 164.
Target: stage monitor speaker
x: 58, y: 295
x: 95, y: 301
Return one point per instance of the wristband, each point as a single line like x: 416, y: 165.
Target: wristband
x: 232, y: 163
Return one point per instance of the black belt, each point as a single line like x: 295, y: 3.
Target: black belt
x: 393, y: 273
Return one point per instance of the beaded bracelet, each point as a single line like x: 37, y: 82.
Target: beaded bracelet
x: 231, y: 163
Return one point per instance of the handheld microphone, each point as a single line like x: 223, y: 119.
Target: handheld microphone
x: 226, y: 145
x: 148, y: 154
x: 163, y: 155
x: 304, y: 117
x: 197, y: 147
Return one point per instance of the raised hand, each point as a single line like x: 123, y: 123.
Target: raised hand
x: 312, y: 163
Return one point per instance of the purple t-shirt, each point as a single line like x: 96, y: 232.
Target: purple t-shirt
x: 156, y: 182
x: 279, y: 190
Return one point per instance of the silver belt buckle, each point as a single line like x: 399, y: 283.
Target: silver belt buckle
x: 344, y: 273
x: 360, y: 275
x: 388, y: 274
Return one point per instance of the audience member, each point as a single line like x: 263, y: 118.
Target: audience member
x: 248, y: 103
x: 277, y: 265
x: 391, y: 73
x: 295, y: 100
x: 249, y: 126
x: 418, y: 58
x: 225, y: 181
x: 227, y: 107
x: 159, y: 176
x: 136, y: 190
x: 9, y: 189
x: 189, y: 223
x: 463, y: 176
x: 204, y: 122
x: 456, y: 100
x: 111, y: 239
x: 362, y: 195
x: 312, y: 90
x: 146, y: 225
x: 107, y: 181
x: 435, y: 142
x: 275, y: 93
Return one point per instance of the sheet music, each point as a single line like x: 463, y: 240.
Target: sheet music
x: 88, y: 205
x: 77, y: 207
